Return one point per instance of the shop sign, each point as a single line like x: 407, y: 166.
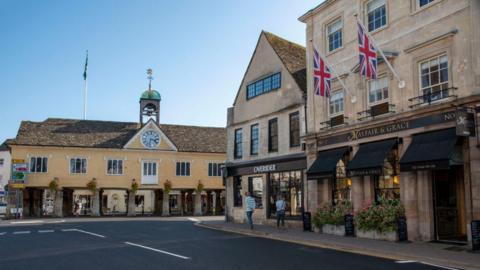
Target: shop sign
x: 465, y: 125
x: 18, y: 161
x: 19, y: 171
x: 362, y: 172
x: 265, y: 168
x: 349, y: 225
x: 17, y: 186
x: 389, y: 128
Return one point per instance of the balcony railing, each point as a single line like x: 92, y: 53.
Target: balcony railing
x: 334, y: 121
x: 432, y: 96
x: 376, y: 110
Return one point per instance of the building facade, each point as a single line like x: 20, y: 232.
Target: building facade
x: 381, y: 140
x: 5, y: 168
x: 264, y: 130
x: 83, y: 167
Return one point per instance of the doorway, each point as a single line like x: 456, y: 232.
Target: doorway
x: 449, y: 205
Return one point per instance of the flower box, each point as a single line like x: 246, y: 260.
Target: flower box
x: 333, y: 229
x: 386, y: 236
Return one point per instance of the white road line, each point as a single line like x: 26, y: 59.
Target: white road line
x: 439, y: 266
x: 90, y: 233
x: 57, y: 221
x: 194, y: 220
x: 68, y: 230
x: 21, y: 232
x: 406, y: 261
x: 45, y: 231
x: 27, y: 222
x: 158, y: 250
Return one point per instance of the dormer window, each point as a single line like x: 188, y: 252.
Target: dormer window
x: 264, y: 85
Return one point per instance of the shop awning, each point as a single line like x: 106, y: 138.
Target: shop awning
x: 369, y: 159
x: 326, y: 162
x: 432, y: 150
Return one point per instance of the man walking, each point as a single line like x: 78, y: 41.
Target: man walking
x: 250, y: 207
x: 281, y: 206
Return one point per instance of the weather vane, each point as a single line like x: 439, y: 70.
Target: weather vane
x: 150, y: 78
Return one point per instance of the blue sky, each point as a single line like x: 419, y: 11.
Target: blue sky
x: 199, y: 51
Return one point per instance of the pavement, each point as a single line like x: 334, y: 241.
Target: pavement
x: 166, y: 243
x: 445, y: 255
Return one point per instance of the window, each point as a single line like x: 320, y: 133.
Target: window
x: 341, y: 184
x: 273, y: 135
x: 287, y: 185
x: 264, y: 85
x: 115, y: 167
x: 294, y: 129
x: 254, y: 139
x: 215, y: 169
x: 434, y: 78
x: 78, y: 165
x: 255, y: 187
x: 237, y: 191
x: 422, y: 3
x: 334, y: 34
x: 238, y: 151
x: 387, y: 185
x: 378, y: 90
x: 376, y: 14
x: 183, y: 168
x: 336, y: 103
x: 38, y: 164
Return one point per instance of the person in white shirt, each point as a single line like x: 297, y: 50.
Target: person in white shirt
x: 281, y: 206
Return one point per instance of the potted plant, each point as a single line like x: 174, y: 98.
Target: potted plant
x: 379, y: 220
x: 92, y: 185
x: 53, y: 185
x: 330, y: 219
x: 134, y: 186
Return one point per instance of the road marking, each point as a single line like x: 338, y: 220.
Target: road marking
x: 27, y: 222
x: 57, y: 221
x: 21, y: 232
x: 194, y: 220
x: 90, y: 233
x: 430, y: 264
x: 68, y: 230
x: 45, y: 231
x: 158, y: 250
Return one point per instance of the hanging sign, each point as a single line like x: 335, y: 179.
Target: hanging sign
x: 465, y: 124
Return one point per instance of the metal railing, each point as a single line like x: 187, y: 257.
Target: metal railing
x: 432, y: 96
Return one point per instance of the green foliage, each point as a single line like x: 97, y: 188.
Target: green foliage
x: 332, y: 214
x: 92, y: 185
x: 134, y: 187
x: 167, y: 186
x: 381, y: 217
x: 53, y: 185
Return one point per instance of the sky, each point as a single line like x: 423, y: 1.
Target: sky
x: 198, y: 50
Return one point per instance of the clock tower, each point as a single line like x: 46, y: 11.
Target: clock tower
x: 150, y: 102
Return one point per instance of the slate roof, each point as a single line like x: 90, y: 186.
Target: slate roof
x: 293, y: 57
x: 109, y: 134
x: 4, y: 146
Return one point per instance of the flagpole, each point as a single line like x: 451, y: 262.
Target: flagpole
x: 85, y: 100
x: 336, y: 76
x: 401, y: 83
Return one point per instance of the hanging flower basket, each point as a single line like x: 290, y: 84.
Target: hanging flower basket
x: 92, y: 185
x: 134, y: 187
x: 53, y: 185
x: 167, y: 186
x: 200, y: 186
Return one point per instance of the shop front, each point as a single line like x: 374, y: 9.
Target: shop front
x: 426, y: 162
x: 267, y: 180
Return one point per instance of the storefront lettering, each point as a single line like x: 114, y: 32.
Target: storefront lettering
x: 265, y: 168
x: 364, y: 133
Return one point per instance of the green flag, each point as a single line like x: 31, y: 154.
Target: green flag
x: 85, y: 71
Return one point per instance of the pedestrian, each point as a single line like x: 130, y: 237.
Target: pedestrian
x: 250, y: 207
x: 76, y: 209
x: 281, y: 206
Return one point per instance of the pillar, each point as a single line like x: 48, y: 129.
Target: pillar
x: 198, y: 204
x: 182, y: 202
x: 96, y: 203
x: 368, y: 190
x: 58, y: 204
x: 209, y: 203
x: 409, y: 199
x: 131, y: 204
x: 425, y: 206
x: 357, y: 193
x: 166, y: 204
x: 313, y: 195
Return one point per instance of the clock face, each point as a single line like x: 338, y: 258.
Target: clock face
x: 150, y: 139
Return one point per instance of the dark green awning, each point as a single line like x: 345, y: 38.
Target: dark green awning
x: 370, y: 158
x: 326, y: 162
x: 432, y: 150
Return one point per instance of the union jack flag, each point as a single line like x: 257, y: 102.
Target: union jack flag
x: 367, y: 54
x: 321, y: 75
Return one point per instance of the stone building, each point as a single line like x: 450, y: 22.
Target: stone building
x: 5, y: 168
x: 378, y: 140
x: 95, y: 168
x: 264, y: 128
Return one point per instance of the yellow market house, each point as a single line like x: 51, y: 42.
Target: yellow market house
x: 84, y: 167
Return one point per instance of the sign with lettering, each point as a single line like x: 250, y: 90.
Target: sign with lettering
x: 475, y: 227
x: 362, y: 172
x: 349, y: 226
x: 18, y: 161
x: 389, y: 128
x: 402, y: 229
x: 265, y: 168
x: 307, y: 221
x: 465, y: 124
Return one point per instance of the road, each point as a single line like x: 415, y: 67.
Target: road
x: 165, y: 245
